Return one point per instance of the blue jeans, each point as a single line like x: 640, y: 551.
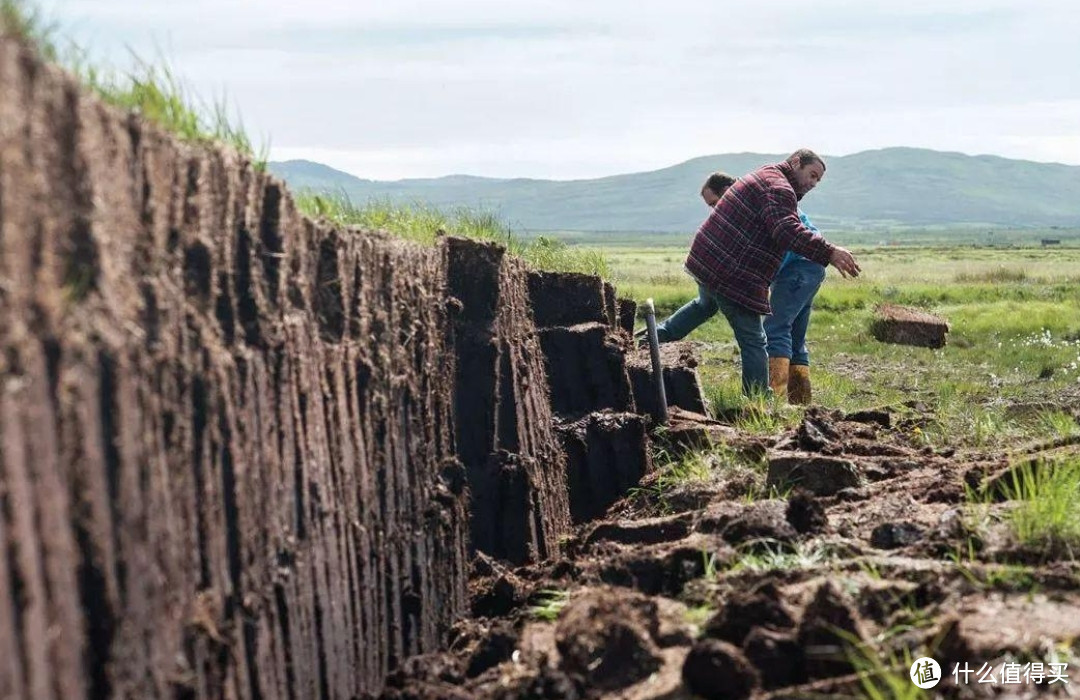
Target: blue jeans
x: 792, y: 297
x: 746, y: 324
x: 692, y: 314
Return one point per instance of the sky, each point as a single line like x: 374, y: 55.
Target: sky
x: 570, y: 89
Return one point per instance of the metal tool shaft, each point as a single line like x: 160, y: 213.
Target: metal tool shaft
x: 658, y: 370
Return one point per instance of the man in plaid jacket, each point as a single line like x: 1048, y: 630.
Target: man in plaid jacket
x: 738, y: 250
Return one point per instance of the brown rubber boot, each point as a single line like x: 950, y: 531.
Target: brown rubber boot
x: 798, y: 388
x: 778, y: 376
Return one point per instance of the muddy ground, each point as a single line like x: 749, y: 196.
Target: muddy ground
x: 741, y: 585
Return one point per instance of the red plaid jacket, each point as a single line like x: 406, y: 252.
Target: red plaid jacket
x: 738, y: 249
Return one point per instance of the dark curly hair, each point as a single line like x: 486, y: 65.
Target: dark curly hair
x: 718, y: 182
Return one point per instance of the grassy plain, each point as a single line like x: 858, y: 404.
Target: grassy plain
x: 1013, y: 353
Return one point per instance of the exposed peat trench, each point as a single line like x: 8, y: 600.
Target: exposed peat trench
x: 245, y: 454
x: 696, y: 589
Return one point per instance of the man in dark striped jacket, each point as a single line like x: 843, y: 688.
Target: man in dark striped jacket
x: 738, y: 250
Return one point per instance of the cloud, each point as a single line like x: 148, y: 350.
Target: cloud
x: 568, y: 88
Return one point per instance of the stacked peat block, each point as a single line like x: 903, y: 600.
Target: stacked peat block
x: 903, y: 325
x: 502, y: 410
x: 584, y: 333
x: 681, y: 383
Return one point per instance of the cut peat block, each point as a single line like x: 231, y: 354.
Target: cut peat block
x: 903, y: 325
x: 569, y: 299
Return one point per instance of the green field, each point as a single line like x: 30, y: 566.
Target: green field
x: 861, y: 236
x: 1013, y: 356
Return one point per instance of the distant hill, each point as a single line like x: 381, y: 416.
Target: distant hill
x: 894, y: 187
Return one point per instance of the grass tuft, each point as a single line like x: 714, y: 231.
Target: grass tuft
x: 1047, y: 517
x: 25, y: 21
x: 776, y: 556
x: 1058, y: 424
x: 151, y: 90
x: 154, y: 92
x: 884, y: 678
x: 698, y: 616
x: 549, y: 604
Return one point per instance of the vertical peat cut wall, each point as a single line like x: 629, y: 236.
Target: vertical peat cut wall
x: 247, y: 455
x: 227, y: 455
x: 516, y: 467
x: 585, y: 333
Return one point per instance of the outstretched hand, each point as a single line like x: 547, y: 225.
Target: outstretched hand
x: 844, y: 261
